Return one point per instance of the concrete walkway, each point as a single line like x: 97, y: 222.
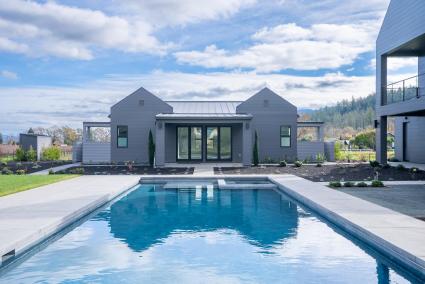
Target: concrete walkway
x: 56, y: 169
x: 397, y: 235
x: 31, y: 216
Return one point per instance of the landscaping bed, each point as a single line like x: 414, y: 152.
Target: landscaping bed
x: 124, y: 170
x: 30, y: 167
x: 351, y: 172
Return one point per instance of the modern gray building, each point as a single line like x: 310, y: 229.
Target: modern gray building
x: 35, y: 141
x: 201, y: 131
x: 402, y: 35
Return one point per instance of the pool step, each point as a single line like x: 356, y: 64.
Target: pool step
x: 223, y: 185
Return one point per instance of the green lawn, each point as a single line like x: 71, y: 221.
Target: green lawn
x: 14, y: 183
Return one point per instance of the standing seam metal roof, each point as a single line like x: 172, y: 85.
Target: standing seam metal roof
x: 204, y: 107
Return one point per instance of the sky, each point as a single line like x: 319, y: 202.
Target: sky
x: 64, y: 62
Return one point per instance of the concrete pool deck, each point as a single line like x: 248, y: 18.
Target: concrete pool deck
x: 407, y: 199
x: 28, y: 217
x: 398, y: 236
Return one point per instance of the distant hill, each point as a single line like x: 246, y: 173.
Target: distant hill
x: 355, y: 113
x: 346, y: 118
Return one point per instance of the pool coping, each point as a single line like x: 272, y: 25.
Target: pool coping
x: 27, y: 221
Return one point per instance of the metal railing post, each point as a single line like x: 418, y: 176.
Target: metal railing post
x: 403, y: 91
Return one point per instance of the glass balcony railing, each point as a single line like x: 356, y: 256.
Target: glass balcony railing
x: 406, y: 89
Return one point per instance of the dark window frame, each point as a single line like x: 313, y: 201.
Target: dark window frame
x: 219, y: 143
x: 189, y: 157
x: 118, y: 136
x: 285, y: 136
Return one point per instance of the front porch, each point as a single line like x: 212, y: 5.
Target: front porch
x: 216, y: 139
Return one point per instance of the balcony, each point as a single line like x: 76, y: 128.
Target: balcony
x: 404, y: 90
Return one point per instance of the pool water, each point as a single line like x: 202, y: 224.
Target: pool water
x: 157, y: 235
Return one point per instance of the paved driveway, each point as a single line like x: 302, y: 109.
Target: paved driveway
x: 406, y: 199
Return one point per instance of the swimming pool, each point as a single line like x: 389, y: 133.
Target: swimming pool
x: 186, y: 235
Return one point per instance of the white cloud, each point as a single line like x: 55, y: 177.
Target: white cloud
x: 290, y: 46
x: 53, y: 29
x: 72, y: 105
x: 8, y: 74
x: 59, y: 30
x: 180, y: 12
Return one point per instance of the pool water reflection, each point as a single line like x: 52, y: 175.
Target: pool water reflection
x: 187, y: 236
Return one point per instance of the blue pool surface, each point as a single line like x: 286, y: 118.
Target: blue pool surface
x: 157, y: 235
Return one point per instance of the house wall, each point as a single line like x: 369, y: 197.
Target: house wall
x: 310, y: 149
x: 403, y: 21
x: 270, y: 111
x: 96, y: 152
x: 38, y: 143
x: 27, y: 141
x: 77, y: 152
x: 415, y: 137
x: 42, y: 143
x: 140, y: 118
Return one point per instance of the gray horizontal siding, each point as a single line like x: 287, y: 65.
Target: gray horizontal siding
x: 309, y: 149
x: 403, y: 22
x: 415, y: 137
x: 96, y: 152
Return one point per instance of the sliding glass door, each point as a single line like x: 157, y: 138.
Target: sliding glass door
x: 212, y: 143
x: 219, y: 143
x: 189, y: 143
x: 196, y: 143
x: 182, y: 143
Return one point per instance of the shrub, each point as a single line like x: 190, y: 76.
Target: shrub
x: 376, y: 183
x: 393, y: 159
x: 348, y: 184
x: 31, y: 155
x: 374, y: 164
x: 20, y: 172
x: 386, y: 166
x: 335, y: 184
x: 282, y: 163
x: 414, y: 170
x: 151, y: 149
x: 400, y: 167
x: 6, y: 171
x: 3, y: 164
x: 337, y: 151
x: 77, y: 171
x: 21, y: 155
x: 255, y: 158
x: 298, y: 164
x: 361, y: 184
x: 320, y: 158
x: 51, y: 153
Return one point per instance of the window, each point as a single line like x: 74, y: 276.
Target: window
x: 122, y: 136
x: 285, y: 136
